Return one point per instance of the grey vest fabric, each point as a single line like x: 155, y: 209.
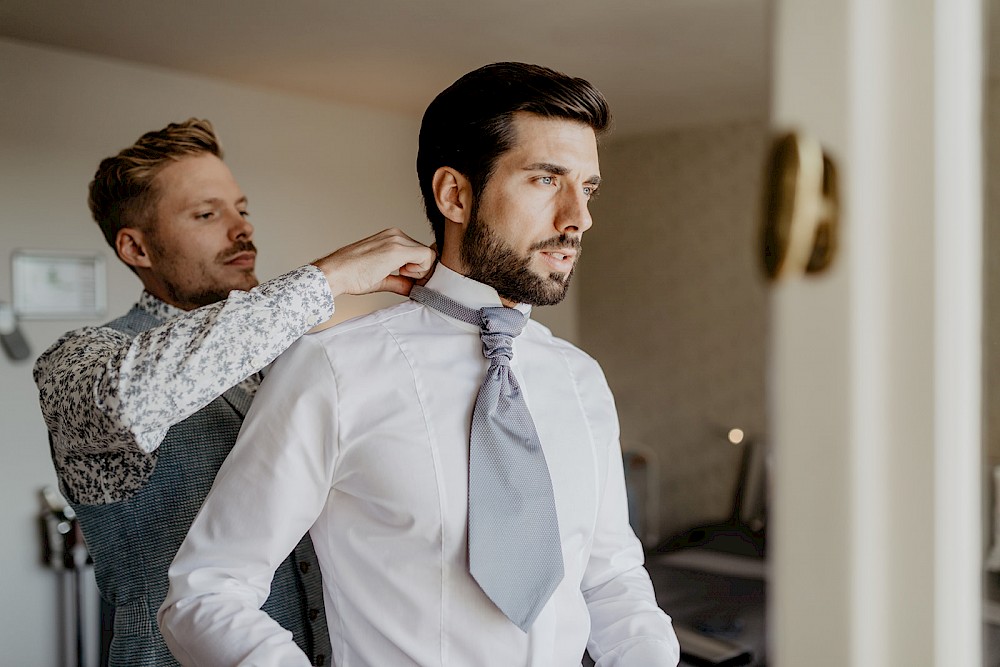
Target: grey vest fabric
x: 133, y: 541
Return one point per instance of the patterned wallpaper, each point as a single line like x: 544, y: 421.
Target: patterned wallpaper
x: 673, y: 305
x: 991, y: 317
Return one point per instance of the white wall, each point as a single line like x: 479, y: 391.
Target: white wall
x: 317, y: 176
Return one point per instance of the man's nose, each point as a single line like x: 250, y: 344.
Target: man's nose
x: 240, y: 227
x: 574, y: 214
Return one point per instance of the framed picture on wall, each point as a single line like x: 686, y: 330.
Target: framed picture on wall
x: 50, y: 284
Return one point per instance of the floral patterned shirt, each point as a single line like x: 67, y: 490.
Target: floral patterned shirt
x: 107, y: 396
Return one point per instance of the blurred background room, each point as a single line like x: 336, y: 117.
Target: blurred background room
x: 805, y: 456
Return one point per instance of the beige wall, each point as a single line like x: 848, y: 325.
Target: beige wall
x: 674, y: 307
x: 317, y: 176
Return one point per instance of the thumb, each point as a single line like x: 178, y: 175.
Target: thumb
x: 397, y: 284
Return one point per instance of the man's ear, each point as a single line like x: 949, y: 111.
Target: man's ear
x: 132, y: 248
x: 452, y: 194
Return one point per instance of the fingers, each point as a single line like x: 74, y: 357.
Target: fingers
x: 368, y: 265
x: 422, y: 262
x: 416, y: 271
x: 398, y: 285
x: 421, y: 276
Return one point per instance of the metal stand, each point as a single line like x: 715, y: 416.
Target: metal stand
x: 64, y: 551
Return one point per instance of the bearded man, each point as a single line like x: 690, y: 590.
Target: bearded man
x: 457, y: 467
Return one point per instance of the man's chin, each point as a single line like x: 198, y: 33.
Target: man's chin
x: 246, y: 280
x: 224, y: 288
x: 547, y: 291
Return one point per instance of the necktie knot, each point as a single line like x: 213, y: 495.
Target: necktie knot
x: 499, y: 327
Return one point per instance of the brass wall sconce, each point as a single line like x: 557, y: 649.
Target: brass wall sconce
x: 801, y: 208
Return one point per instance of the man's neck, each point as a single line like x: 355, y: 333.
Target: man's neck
x: 456, y: 265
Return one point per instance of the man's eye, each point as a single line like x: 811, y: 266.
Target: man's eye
x: 547, y: 180
x: 204, y: 216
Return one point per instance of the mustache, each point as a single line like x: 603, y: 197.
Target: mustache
x: 558, y: 242
x: 235, y: 249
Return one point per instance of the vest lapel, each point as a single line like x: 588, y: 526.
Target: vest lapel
x: 134, y: 322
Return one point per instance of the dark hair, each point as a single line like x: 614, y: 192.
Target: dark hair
x: 470, y: 125
x: 122, y: 193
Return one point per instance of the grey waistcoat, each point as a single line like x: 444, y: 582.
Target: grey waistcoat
x: 133, y: 541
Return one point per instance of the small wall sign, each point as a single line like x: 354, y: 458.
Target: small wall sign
x: 58, y: 285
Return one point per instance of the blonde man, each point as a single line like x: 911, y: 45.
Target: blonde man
x: 142, y: 411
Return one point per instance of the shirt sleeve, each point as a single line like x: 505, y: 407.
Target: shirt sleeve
x: 628, y: 629
x: 102, y: 391
x: 268, y: 493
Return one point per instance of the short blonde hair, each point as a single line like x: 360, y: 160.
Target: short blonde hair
x: 122, y: 193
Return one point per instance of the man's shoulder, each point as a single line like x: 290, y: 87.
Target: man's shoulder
x: 110, y: 329
x: 78, y: 346
x: 355, y: 336
x: 586, y: 373
x: 365, y: 325
x: 134, y: 322
x: 358, y: 342
x: 542, y: 335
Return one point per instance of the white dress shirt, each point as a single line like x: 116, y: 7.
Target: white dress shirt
x: 360, y: 435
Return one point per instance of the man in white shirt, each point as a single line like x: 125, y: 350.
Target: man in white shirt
x: 361, y: 434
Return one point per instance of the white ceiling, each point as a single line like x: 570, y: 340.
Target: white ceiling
x: 661, y: 63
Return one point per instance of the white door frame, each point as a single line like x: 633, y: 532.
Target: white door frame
x: 875, y: 367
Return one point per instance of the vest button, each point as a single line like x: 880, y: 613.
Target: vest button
x: 313, y: 614
x: 303, y: 567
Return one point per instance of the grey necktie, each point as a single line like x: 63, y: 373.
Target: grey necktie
x: 515, y: 553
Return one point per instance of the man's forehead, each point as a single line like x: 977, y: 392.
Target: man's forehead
x: 555, y: 141
x: 195, y: 179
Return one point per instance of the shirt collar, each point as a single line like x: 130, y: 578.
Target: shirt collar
x: 161, y: 310
x: 466, y: 291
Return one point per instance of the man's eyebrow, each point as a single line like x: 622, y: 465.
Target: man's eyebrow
x: 549, y: 167
x: 215, y: 201
x: 559, y: 170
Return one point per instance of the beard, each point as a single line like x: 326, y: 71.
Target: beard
x: 191, y: 298
x: 492, y: 261
x: 192, y: 287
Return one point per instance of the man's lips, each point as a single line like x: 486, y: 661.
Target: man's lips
x: 242, y: 259
x: 560, y: 259
x: 561, y: 254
